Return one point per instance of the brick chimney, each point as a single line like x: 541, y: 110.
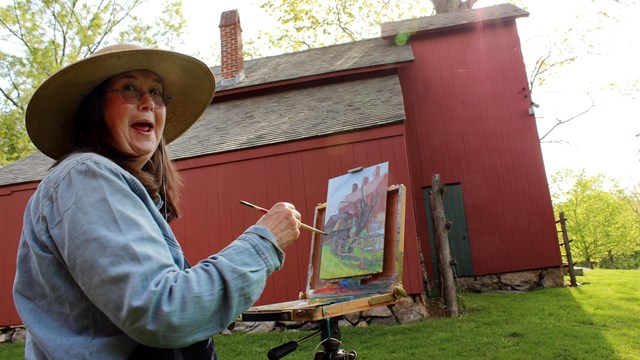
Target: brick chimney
x: 232, y: 67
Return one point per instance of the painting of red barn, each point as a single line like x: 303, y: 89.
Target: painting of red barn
x: 356, y: 207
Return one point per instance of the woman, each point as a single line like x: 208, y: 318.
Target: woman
x: 99, y: 274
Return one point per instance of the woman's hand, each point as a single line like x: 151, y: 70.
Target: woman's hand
x: 283, y: 220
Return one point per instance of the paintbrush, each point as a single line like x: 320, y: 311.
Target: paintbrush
x: 304, y: 226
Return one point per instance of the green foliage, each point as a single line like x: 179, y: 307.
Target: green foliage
x: 622, y: 261
x: 605, y: 230
x: 14, y: 142
x: 306, y: 24
x: 38, y: 37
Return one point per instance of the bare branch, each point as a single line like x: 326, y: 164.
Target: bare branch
x: 555, y: 64
x: 16, y: 88
x: 466, y: 5
x: 54, y: 15
x: 9, y: 98
x: 113, y: 22
x: 537, y: 69
x: 344, y: 29
x: 17, y: 34
x: 560, y: 122
x: 541, y: 66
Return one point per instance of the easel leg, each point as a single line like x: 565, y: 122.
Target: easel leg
x: 331, y: 337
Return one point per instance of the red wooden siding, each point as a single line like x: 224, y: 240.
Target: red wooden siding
x: 13, y: 201
x: 466, y: 101
x: 296, y: 172
x: 212, y: 217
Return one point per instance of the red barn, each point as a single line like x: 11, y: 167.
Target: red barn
x: 454, y: 100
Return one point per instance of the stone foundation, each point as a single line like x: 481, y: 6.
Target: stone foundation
x: 13, y: 334
x: 516, y: 281
x: 406, y: 310
x: 412, y: 308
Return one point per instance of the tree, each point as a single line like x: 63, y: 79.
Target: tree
x: 38, y: 37
x: 445, y: 6
x: 560, y: 44
x: 601, y: 223
x: 634, y: 200
x: 305, y: 24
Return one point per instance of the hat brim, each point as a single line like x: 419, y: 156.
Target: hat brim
x: 52, y: 110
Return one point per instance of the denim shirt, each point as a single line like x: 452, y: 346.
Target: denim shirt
x: 99, y: 269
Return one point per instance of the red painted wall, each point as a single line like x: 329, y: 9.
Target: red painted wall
x: 466, y: 101
x: 13, y: 201
x: 296, y: 172
x: 212, y: 216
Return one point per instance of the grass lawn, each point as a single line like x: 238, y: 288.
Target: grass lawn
x: 598, y: 320
x: 334, y: 266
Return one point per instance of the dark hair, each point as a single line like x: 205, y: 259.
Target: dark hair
x: 91, y: 134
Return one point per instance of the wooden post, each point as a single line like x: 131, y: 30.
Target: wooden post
x: 567, y: 249
x: 442, y: 245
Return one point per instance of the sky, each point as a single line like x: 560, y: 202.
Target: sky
x: 606, y: 74
x: 341, y: 186
x: 603, y: 140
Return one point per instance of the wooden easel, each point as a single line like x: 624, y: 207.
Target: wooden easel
x: 325, y: 300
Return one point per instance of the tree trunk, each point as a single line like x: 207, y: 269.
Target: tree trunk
x: 445, y: 6
x: 442, y: 245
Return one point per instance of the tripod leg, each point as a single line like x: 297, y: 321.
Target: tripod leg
x: 330, y: 334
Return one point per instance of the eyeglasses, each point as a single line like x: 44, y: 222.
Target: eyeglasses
x: 132, y: 95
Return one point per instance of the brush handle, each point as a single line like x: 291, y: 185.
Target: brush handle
x: 307, y: 227
x: 254, y: 206
x: 302, y: 225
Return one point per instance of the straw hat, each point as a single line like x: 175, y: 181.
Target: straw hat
x: 52, y: 110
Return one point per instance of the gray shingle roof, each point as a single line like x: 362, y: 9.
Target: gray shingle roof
x: 31, y: 168
x: 446, y: 21
x: 335, y: 58
x: 306, y: 113
x: 267, y: 119
x: 283, y: 116
x: 293, y: 115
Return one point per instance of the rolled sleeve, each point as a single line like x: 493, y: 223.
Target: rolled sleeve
x: 267, y: 256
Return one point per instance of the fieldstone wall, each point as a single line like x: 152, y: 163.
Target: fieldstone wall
x: 406, y: 310
x: 412, y: 308
x: 516, y: 281
x: 13, y: 334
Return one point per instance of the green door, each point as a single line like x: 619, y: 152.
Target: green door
x: 458, y: 234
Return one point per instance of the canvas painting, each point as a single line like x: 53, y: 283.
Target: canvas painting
x: 354, y: 223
